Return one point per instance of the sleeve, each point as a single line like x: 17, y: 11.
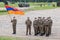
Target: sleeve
x: 11, y: 20
x: 25, y: 22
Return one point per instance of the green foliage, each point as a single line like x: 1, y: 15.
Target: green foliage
x: 4, y: 38
x: 32, y: 0
x: 33, y: 5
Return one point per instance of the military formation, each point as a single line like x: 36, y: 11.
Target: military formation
x: 42, y: 26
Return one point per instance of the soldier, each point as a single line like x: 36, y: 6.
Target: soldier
x: 43, y: 20
x: 40, y: 26
x: 14, y: 22
x: 46, y: 27
x: 48, y: 24
x: 28, y: 26
x: 35, y: 26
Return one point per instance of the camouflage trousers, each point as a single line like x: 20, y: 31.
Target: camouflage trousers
x: 46, y: 29
x: 14, y: 28
x: 28, y: 30
x: 41, y: 29
x: 35, y: 29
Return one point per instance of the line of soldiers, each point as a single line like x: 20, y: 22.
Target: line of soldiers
x: 41, y: 26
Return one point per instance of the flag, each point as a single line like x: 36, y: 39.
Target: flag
x: 12, y: 10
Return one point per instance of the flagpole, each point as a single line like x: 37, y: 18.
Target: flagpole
x: 9, y: 16
x: 6, y: 3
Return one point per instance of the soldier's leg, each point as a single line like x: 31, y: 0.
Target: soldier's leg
x: 47, y: 31
x: 50, y: 30
x: 34, y: 30
x: 14, y: 29
x: 27, y: 30
x: 42, y: 32
x: 44, y: 29
x: 38, y: 30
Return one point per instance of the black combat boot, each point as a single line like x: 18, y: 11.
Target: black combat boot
x: 47, y: 35
x: 41, y: 34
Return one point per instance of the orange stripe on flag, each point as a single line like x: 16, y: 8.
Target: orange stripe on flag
x: 19, y: 12
x: 16, y: 12
x: 11, y: 12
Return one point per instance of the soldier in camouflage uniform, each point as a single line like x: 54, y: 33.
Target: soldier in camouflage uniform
x: 46, y: 27
x: 28, y: 26
x: 43, y: 20
x: 14, y: 22
x: 40, y: 25
x: 48, y: 24
x: 35, y: 26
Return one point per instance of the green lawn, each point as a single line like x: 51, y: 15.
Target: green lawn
x: 7, y: 38
x: 31, y: 4
x: 34, y: 6
x: 17, y: 38
x: 3, y: 12
x: 11, y: 38
x: 14, y: 5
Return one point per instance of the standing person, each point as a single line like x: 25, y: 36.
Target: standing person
x: 40, y: 26
x: 46, y: 27
x: 43, y: 20
x: 14, y: 22
x: 50, y: 24
x: 35, y: 26
x: 28, y: 26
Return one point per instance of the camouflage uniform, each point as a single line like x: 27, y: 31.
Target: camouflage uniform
x: 14, y: 21
x: 48, y: 24
x: 43, y: 20
x: 40, y: 26
x: 28, y: 26
x: 35, y: 26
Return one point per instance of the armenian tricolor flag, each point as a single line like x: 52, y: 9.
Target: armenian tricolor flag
x: 12, y: 10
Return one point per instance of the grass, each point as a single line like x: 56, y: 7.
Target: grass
x: 17, y: 38
x: 7, y: 38
x: 14, y: 5
x: 11, y: 38
x: 33, y: 5
x: 3, y: 12
x: 41, y: 8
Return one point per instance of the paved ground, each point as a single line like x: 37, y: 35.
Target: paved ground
x: 6, y: 28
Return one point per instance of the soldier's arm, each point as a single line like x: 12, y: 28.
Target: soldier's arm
x: 11, y: 20
x: 25, y: 22
x: 16, y: 21
x: 31, y: 22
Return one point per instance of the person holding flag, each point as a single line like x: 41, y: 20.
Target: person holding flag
x: 14, y: 22
x: 12, y: 10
